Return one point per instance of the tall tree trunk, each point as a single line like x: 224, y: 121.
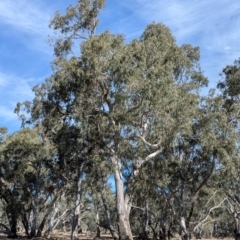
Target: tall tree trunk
x: 29, y: 222
x: 97, y: 224
x: 237, y: 225
x: 34, y: 219
x: 42, y: 224
x: 50, y: 210
x: 25, y: 222
x: 215, y: 229
x: 109, y: 221
x: 54, y: 222
x: 96, y: 207
x: 185, y: 233
x: 35, y: 202
x: 51, y: 221
x: 146, y: 216
x: 74, y: 233
x: 13, y: 226
x: 123, y: 210
x: 145, y: 220
x: 12, y: 217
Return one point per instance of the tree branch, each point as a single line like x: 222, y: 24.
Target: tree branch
x: 204, y: 182
x: 210, y: 210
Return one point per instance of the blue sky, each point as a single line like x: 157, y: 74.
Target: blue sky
x: 25, y: 55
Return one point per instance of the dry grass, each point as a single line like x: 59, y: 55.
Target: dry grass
x: 62, y: 236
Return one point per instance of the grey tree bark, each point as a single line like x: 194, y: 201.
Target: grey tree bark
x: 49, y: 211
x: 123, y: 209
x: 108, y: 216
x: 77, y: 209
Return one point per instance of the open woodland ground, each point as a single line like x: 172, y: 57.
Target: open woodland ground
x: 61, y: 236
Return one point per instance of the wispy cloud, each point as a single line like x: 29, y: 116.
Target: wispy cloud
x: 2, y: 80
x: 14, y: 89
x: 27, y: 21
x: 189, y: 17
x: 6, y: 115
x: 24, y: 53
x: 25, y: 16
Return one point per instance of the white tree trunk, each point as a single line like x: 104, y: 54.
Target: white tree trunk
x: 123, y: 210
x: 97, y: 223
x: 185, y: 234
x: 34, y: 219
x: 51, y: 221
x: 49, y: 210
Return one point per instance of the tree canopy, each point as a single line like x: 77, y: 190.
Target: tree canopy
x: 131, y: 111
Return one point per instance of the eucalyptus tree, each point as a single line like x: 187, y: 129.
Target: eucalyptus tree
x: 5, y: 194
x: 22, y: 171
x: 59, y: 106
x: 31, y: 180
x: 230, y: 90
x: 145, y: 99
x: 98, y: 175
x: 130, y: 99
x: 16, y: 166
x: 199, y: 161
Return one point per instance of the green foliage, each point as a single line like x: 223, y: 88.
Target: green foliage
x: 138, y: 101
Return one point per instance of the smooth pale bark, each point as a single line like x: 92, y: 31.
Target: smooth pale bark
x: 97, y: 224
x: 96, y: 207
x: 55, y: 222
x: 108, y: 216
x: 50, y: 209
x: 77, y: 209
x: 29, y: 219
x: 34, y: 218
x: 51, y: 221
x: 123, y: 210
x: 185, y: 232
x: 123, y: 201
x: 198, y: 228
